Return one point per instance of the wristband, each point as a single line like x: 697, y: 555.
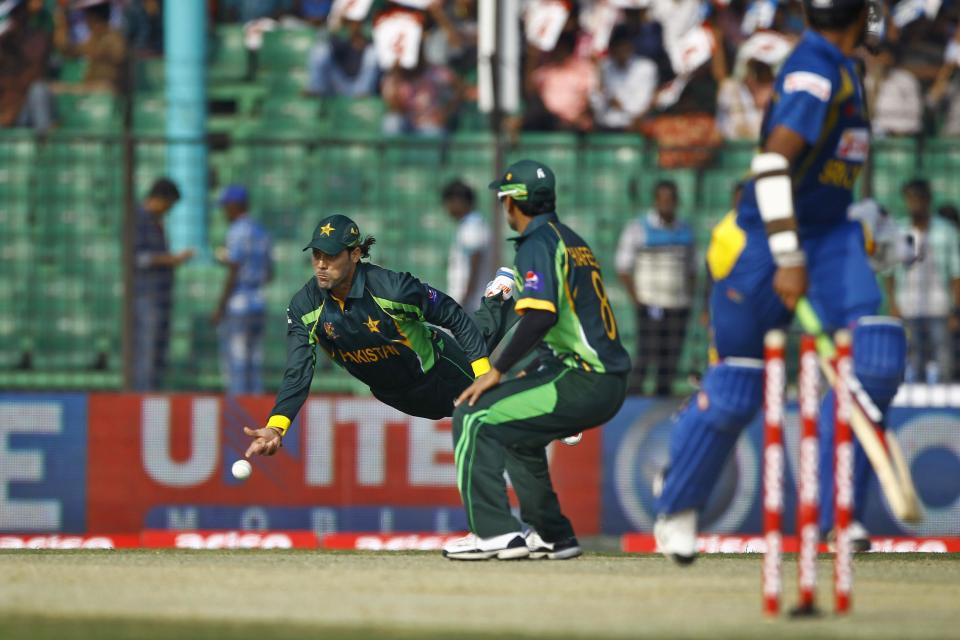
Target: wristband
x: 280, y: 423
x: 774, y: 191
x: 480, y: 366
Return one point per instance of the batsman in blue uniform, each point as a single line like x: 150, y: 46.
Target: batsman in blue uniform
x: 789, y: 237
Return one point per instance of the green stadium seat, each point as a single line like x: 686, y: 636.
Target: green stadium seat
x: 73, y: 70
x: 736, y: 156
x: 79, y: 171
x: 279, y: 188
x: 11, y: 346
x: 471, y: 119
x: 356, y: 117
x: 14, y: 214
x: 89, y: 112
x: 941, y: 165
x: 150, y: 115
x: 151, y: 74
x: 716, y: 196
x: 469, y: 157
x: 348, y: 174
x: 150, y: 162
x: 229, y: 59
x: 894, y: 161
x: 290, y: 82
x: 281, y: 119
x: 409, y: 153
x: 299, y: 116
x: 285, y: 49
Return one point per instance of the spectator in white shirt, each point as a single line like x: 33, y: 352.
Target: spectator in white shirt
x: 945, y: 92
x: 471, y: 259
x: 743, y: 98
x: 656, y: 262
x: 926, y: 292
x: 897, y: 108
x: 627, y: 84
x: 677, y: 18
x: 742, y: 103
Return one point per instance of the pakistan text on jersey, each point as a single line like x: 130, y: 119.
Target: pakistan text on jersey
x: 369, y: 355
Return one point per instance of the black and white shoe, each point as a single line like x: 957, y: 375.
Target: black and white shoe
x: 509, y: 546
x: 540, y: 549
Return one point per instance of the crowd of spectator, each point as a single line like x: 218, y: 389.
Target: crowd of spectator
x: 686, y: 73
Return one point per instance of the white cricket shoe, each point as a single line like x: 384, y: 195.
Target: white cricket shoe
x: 676, y: 536
x: 561, y: 550
x: 573, y: 440
x: 859, y: 538
x: 509, y: 546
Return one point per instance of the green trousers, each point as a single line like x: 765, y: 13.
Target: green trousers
x: 509, y: 429
x: 432, y: 396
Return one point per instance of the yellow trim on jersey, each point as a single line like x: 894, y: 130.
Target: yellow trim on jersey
x: 847, y: 89
x: 480, y: 366
x: 727, y: 241
x: 534, y: 303
x: 282, y: 423
x: 869, y: 244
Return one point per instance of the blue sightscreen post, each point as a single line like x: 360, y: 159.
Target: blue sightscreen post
x: 185, y: 50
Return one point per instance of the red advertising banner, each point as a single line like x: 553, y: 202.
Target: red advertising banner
x: 60, y: 542
x: 228, y: 540
x: 146, y: 452
x: 721, y: 543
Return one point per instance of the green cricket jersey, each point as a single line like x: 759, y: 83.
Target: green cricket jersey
x: 380, y: 334
x: 556, y: 271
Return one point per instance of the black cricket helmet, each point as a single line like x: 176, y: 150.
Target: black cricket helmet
x: 837, y: 14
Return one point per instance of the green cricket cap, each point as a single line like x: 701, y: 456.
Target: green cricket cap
x: 527, y: 181
x: 334, y: 234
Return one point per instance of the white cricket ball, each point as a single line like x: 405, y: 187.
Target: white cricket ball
x: 241, y: 469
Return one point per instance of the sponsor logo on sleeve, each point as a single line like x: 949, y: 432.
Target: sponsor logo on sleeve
x: 432, y: 295
x: 532, y: 281
x: 808, y: 82
x: 854, y: 145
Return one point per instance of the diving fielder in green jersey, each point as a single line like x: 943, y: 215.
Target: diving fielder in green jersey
x: 376, y: 324
x: 498, y: 424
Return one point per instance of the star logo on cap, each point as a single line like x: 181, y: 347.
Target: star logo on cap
x: 354, y: 231
x: 327, y: 229
x: 372, y: 325
x: 509, y: 176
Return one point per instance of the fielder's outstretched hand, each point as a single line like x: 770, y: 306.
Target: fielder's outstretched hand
x: 266, y: 441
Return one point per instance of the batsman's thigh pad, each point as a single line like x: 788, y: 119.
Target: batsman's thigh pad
x: 879, y: 357
x: 842, y: 286
x: 743, y: 305
x: 733, y: 392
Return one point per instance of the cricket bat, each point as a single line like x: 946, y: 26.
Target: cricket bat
x: 880, y: 445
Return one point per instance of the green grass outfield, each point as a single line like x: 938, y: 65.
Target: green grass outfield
x: 275, y: 595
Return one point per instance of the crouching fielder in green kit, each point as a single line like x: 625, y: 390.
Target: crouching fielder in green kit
x: 508, y: 424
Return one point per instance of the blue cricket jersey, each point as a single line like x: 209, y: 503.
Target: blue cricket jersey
x: 817, y: 94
